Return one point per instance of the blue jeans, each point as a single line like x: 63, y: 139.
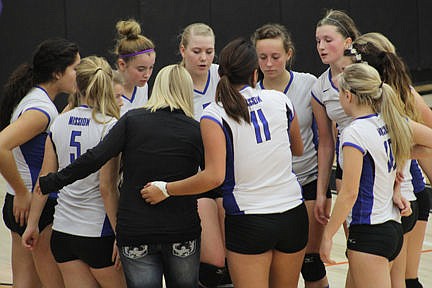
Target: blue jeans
x: 178, y: 262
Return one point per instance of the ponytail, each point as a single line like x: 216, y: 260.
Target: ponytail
x: 395, y: 73
x: 397, y: 125
x: 95, y: 83
x: 238, y: 63
x: 392, y: 70
x: 233, y: 102
x: 17, y: 86
x: 364, y: 81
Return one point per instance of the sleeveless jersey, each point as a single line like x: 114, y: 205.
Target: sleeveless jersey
x: 259, y: 177
x: 80, y: 209
x: 29, y: 156
x: 203, y: 98
x: 407, y: 187
x: 298, y: 91
x: 326, y: 93
x: 138, y: 100
x: 374, y: 204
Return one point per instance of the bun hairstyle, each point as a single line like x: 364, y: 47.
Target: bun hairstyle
x: 130, y: 42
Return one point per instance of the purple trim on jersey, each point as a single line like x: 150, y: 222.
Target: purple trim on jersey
x: 290, y: 81
x: 314, y: 129
x: 229, y: 201
x: 354, y: 146
x: 213, y: 119
x: 133, y: 95
x: 362, y: 208
x: 206, y: 86
x: 46, y: 93
x: 417, y: 177
x: 106, y: 228
x: 244, y: 87
x: 331, y: 82
x: 40, y: 110
x: 289, y: 118
x: 85, y: 106
x: 261, y: 84
x: 316, y: 99
x: 337, y: 144
x: 33, y: 153
x: 367, y: 116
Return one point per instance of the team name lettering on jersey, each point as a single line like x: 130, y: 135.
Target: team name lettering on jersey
x: 78, y: 121
x: 253, y: 101
x: 382, y: 131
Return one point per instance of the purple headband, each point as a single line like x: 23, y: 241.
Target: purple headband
x: 136, y: 53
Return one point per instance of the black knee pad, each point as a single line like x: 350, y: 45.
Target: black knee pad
x: 413, y: 283
x: 210, y: 275
x: 313, y: 268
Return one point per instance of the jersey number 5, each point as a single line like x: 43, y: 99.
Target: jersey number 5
x: 76, y: 144
x: 256, y: 124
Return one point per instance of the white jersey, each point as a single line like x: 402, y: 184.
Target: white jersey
x: 203, y: 98
x: 80, y: 209
x: 29, y: 156
x: 374, y: 204
x: 326, y: 93
x: 407, y: 187
x: 259, y: 177
x: 298, y: 91
x: 139, y: 99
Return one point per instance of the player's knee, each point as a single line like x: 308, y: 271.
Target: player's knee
x: 313, y: 268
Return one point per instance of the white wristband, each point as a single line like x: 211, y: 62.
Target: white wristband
x: 162, y: 186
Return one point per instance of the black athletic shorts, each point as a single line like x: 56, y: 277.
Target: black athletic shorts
x: 94, y: 251
x: 257, y: 233
x: 338, y: 172
x: 212, y: 194
x: 309, y: 191
x: 409, y: 222
x: 384, y: 239
x: 46, y: 217
x: 423, y: 202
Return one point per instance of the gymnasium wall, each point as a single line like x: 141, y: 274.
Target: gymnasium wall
x: 24, y: 23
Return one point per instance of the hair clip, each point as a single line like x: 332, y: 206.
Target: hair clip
x: 353, y: 52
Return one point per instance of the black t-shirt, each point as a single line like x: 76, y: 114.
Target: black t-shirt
x: 162, y: 145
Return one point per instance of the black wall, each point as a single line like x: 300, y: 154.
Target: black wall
x: 25, y: 23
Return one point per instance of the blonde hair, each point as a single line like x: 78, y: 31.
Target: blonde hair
x: 194, y: 29
x: 118, y: 78
x: 94, y: 81
x: 364, y: 81
x: 173, y: 88
x: 378, y: 39
x: 130, y: 39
